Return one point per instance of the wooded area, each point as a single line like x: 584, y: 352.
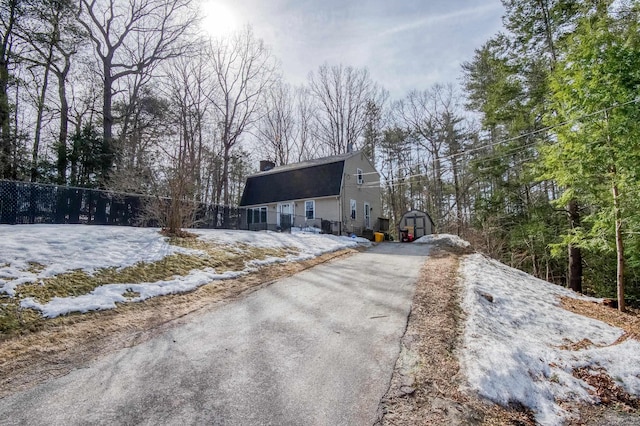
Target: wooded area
x: 534, y: 159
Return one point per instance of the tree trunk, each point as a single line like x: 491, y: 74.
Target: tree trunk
x: 225, y: 174
x: 5, y: 120
x: 39, y: 114
x: 575, y: 254
x: 458, y: 201
x: 544, y: 7
x: 107, y: 124
x: 6, y: 167
x: 63, y: 160
x: 619, y: 247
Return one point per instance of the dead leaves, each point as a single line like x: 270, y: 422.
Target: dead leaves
x: 606, y: 389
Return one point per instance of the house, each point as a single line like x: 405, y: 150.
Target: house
x: 338, y: 194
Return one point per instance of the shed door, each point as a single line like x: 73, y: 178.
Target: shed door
x: 419, y: 223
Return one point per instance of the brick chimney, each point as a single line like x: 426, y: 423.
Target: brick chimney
x: 266, y: 165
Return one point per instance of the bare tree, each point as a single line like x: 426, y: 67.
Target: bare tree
x: 342, y: 94
x: 278, y: 125
x: 52, y: 36
x: 434, y: 117
x: 11, y: 12
x: 244, y: 70
x: 305, y: 114
x: 190, y: 85
x: 131, y: 38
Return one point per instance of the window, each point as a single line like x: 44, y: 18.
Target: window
x: 353, y: 209
x: 310, y: 209
x: 257, y: 215
x: 360, y: 176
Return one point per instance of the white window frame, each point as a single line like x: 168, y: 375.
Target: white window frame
x: 259, y: 210
x: 354, y: 209
x: 359, y: 176
x: 313, y: 209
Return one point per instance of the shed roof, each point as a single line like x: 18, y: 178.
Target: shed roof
x: 419, y: 213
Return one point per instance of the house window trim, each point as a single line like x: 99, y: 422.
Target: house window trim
x: 313, y: 209
x: 359, y: 176
x: 251, y: 214
x: 353, y: 206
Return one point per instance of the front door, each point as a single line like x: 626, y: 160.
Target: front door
x: 285, y: 218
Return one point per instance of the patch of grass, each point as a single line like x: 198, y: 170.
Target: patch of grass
x: 35, y: 267
x: 16, y: 320
x: 130, y: 294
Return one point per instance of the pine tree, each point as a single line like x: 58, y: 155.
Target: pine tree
x: 597, y: 154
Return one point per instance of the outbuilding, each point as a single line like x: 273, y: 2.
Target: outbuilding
x: 417, y: 223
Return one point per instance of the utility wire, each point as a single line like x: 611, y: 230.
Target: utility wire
x: 446, y: 168
x: 511, y: 151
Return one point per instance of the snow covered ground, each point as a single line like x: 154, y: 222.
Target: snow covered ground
x: 514, y: 331
x: 64, y: 248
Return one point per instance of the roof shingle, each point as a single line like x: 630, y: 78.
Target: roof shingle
x: 313, y: 179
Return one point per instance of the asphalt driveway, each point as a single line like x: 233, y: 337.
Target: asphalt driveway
x: 317, y: 348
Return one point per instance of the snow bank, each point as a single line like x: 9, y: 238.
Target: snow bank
x: 452, y: 240
x: 63, y: 248
x: 513, y: 333
x: 106, y: 296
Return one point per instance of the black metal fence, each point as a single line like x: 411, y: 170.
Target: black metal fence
x: 287, y: 221
x: 26, y: 202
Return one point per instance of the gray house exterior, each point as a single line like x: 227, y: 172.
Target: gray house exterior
x: 338, y: 194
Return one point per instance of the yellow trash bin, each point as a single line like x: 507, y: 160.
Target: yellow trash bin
x: 378, y: 237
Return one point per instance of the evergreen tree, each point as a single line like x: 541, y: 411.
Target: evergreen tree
x: 597, y: 154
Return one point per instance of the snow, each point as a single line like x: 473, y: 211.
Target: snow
x: 514, y: 330
x: 512, y: 344
x: 452, y: 240
x: 64, y: 248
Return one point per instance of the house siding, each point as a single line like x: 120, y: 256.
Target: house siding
x: 331, y: 184
x: 325, y: 209
x: 367, y: 192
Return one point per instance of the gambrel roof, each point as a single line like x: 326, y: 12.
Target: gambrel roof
x: 321, y: 177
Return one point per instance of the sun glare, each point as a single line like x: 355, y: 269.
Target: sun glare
x: 218, y: 18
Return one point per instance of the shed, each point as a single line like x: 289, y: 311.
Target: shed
x: 417, y: 221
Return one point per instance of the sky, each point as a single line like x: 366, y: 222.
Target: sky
x: 405, y: 45
x: 516, y: 339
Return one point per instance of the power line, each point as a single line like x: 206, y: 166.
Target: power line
x: 497, y: 155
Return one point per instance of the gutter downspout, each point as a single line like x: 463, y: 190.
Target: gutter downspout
x: 341, y: 199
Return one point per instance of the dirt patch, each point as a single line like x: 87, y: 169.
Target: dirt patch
x: 426, y: 383
x: 617, y: 407
x: 72, y: 341
x: 629, y: 321
x: 607, y: 391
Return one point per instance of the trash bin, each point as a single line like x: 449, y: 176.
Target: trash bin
x: 406, y: 236
x: 378, y: 237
